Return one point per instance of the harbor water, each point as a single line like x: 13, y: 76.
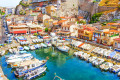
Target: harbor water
x: 64, y: 65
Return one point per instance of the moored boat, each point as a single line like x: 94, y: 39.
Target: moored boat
x: 27, y: 66
x: 115, y: 68
x: 63, y: 48
x: 33, y: 74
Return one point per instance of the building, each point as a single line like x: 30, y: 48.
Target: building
x: 39, y: 3
x: 48, y: 23
x: 116, y: 44
x: 68, y: 29
x: 109, y: 36
x: 97, y: 36
x: 25, y: 28
x: 40, y: 18
x: 85, y: 32
x: 114, y: 26
x: 10, y: 11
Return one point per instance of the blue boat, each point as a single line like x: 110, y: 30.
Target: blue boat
x: 21, y: 71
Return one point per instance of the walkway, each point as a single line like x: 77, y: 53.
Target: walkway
x: 4, y: 77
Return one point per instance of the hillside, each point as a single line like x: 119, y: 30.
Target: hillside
x: 109, y: 3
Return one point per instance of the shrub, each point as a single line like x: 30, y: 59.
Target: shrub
x: 46, y: 29
x: 35, y: 34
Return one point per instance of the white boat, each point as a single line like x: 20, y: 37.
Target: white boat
x: 43, y: 45
x: 28, y: 66
x: 33, y: 74
x: 32, y: 47
x: 49, y: 44
x: 2, y: 52
x: 10, y: 50
x: 26, y: 48
x: 34, y: 41
x: 106, y: 66
x: 115, y: 68
x: 18, y: 56
x: 63, y: 48
x: 11, y: 61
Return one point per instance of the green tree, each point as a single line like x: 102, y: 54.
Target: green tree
x: 46, y: 29
x: 35, y: 34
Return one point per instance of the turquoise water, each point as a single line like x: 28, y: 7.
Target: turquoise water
x: 65, y: 66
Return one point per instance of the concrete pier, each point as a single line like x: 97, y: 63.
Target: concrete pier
x: 4, y: 77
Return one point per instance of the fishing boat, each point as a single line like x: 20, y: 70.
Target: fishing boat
x: 18, y: 56
x: 34, y: 41
x: 32, y: 47
x: 10, y: 61
x: 27, y: 66
x: 22, y: 52
x: 119, y: 74
x: 20, y: 48
x: 48, y: 44
x: 10, y: 50
x: 90, y: 59
x: 35, y: 73
x: 97, y: 62
x: 63, y: 48
x: 36, y: 46
x: 43, y: 45
x: 2, y: 52
x: 26, y: 48
x: 115, y: 68
x: 106, y: 66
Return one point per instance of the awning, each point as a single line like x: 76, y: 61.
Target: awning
x: 39, y: 30
x: 19, y: 32
x: 81, y: 45
x: 33, y: 31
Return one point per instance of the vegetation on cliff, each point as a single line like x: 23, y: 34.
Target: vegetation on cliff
x: 24, y: 4
x: 95, y: 18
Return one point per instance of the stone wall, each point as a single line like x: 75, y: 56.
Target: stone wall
x: 88, y: 6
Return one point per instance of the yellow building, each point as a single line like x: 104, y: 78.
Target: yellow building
x: 48, y: 23
x: 88, y: 35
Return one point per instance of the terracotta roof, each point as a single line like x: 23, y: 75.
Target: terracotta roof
x: 61, y: 21
x: 80, y: 17
x: 62, y: 17
x: 114, y: 23
x: 63, y: 32
x: 112, y: 31
x: 8, y: 19
x: 55, y: 23
x: 66, y: 25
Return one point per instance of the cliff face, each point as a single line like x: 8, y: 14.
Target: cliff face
x: 23, y: 5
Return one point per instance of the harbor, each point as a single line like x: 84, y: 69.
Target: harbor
x: 60, y: 63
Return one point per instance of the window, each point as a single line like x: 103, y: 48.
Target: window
x: 87, y: 38
x: 115, y: 44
